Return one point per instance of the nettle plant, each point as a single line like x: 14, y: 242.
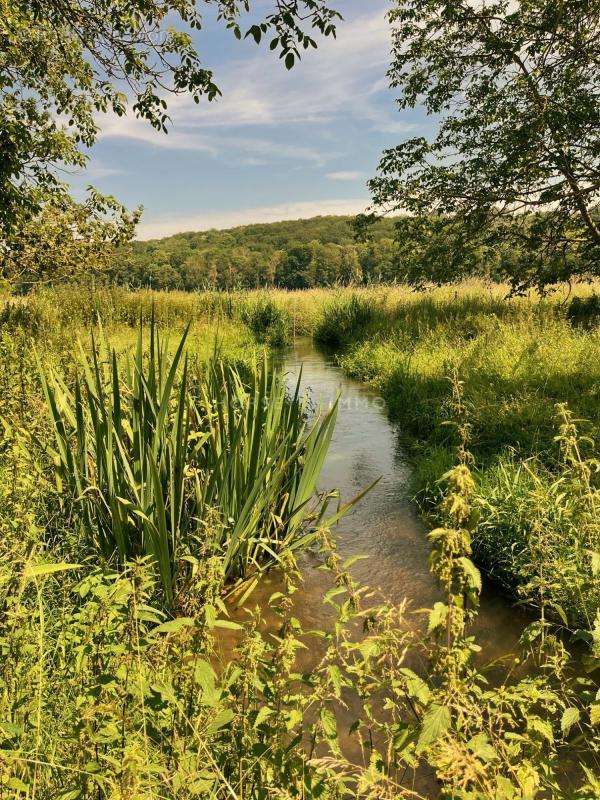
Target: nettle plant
x: 491, y: 736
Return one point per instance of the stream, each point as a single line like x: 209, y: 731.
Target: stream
x: 383, y: 526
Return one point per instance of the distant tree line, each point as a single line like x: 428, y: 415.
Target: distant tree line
x: 333, y: 251
x: 293, y: 255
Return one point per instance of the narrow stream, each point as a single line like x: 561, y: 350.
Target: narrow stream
x: 384, y: 526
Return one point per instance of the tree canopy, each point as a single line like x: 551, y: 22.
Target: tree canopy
x: 295, y: 254
x: 515, y: 161
x: 63, y: 62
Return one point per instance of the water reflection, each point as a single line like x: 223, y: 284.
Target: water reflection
x: 384, y: 525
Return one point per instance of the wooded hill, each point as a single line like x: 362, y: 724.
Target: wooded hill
x: 321, y: 251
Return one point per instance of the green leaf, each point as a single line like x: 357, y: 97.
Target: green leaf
x: 166, y: 692
x: 504, y: 789
x: 481, y: 747
x: 349, y: 562
x: 329, y: 724
x: 174, y: 625
x: 40, y: 570
x: 293, y: 718
x: 416, y: 688
x: 542, y: 727
x: 223, y: 718
x: 17, y: 785
x: 437, y: 616
x: 335, y: 676
x: 569, y: 718
x: 227, y: 623
x: 471, y: 573
x: 204, y: 675
x: 435, y: 723
x: 262, y: 715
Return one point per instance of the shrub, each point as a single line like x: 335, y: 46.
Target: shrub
x: 344, y: 320
x: 584, y: 311
x: 269, y: 322
x: 539, y: 534
x: 18, y: 314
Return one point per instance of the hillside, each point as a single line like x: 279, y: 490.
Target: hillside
x: 321, y: 251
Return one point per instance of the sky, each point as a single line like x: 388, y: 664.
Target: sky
x: 277, y: 145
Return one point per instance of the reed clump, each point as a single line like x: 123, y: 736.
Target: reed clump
x: 161, y: 463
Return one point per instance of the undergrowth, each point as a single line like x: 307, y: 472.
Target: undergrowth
x: 111, y: 691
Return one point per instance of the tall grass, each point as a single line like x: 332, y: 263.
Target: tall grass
x: 269, y: 321
x: 516, y: 360
x: 539, y: 531
x: 174, y: 466
x: 345, y: 319
x: 102, y: 698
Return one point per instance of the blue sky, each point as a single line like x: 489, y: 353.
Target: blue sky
x: 277, y: 145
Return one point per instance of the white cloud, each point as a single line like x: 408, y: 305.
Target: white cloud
x: 339, y: 79
x: 240, y: 148
x: 95, y: 171
x: 156, y: 227
x: 398, y: 126
x: 139, y: 130
x: 344, y: 175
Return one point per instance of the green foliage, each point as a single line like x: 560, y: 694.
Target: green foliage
x: 539, y: 534
x: 292, y: 255
x: 345, y: 319
x: 516, y: 359
x: 104, y: 696
x: 63, y: 66
x: 584, y: 311
x: 268, y: 321
x: 142, y: 706
x: 65, y: 240
x: 514, y: 160
x: 501, y: 739
x: 177, y: 469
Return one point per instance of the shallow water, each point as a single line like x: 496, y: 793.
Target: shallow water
x: 383, y: 526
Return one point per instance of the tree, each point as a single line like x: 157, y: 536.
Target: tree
x: 350, y: 271
x: 321, y: 264
x: 64, y: 61
x: 293, y: 271
x: 65, y: 239
x: 379, y: 262
x: 515, y: 85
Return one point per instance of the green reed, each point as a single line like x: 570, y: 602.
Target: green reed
x: 161, y: 462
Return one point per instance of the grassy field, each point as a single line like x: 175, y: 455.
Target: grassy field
x: 146, y: 488
x: 515, y: 359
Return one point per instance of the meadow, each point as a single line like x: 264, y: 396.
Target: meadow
x: 153, y: 467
